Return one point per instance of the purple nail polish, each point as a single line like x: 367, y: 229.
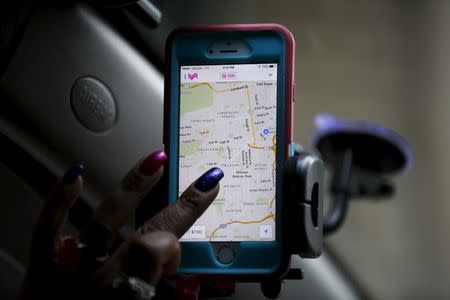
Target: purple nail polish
x: 209, y: 179
x: 73, y: 173
x: 152, y: 163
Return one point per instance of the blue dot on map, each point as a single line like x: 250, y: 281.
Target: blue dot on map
x: 266, y: 131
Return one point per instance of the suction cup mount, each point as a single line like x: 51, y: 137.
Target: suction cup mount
x: 361, y: 156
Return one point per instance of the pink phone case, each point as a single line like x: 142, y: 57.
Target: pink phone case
x: 289, y: 102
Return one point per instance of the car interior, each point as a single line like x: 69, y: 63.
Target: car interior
x: 383, y: 62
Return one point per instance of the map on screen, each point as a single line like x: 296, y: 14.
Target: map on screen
x: 228, y: 120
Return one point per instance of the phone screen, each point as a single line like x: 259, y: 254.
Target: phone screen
x: 228, y: 117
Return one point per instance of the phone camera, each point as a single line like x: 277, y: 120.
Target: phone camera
x: 211, y: 51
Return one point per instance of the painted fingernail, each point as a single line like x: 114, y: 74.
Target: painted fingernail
x: 209, y: 179
x: 73, y: 173
x: 152, y: 163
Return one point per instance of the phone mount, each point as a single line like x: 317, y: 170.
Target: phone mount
x: 303, y: 201
x: 361, y: 156
x: 303, y: 208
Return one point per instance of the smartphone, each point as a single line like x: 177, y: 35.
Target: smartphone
x: 229, y: 104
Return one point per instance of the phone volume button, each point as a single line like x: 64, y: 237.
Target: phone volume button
x: 293, y: 92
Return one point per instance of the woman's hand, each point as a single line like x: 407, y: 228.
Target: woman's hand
x: 79, y: 267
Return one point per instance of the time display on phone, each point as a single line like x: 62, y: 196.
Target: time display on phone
x: 228, y: 120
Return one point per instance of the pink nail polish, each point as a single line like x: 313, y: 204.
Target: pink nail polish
x: 152, y: 163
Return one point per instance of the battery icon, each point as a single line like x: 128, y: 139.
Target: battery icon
x: 270, y: 66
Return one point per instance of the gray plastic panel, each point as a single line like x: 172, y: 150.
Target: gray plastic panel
x: 60, y: 46
x: 11, y: 274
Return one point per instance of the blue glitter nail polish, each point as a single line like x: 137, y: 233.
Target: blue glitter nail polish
x: 72, y: 174
x: 209, y: 179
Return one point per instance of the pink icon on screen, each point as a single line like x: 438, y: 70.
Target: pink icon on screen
x: 228, y: 75
x: 192, y: 76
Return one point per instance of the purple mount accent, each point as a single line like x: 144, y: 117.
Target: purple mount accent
x: 327, y: 126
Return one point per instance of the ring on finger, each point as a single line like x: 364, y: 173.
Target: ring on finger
x: 141, y: 289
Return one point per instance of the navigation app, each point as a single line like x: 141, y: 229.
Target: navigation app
x: 228, y: 120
